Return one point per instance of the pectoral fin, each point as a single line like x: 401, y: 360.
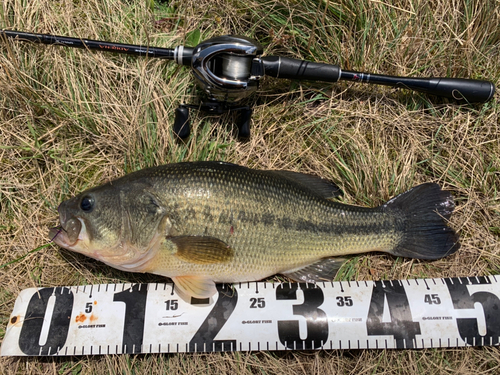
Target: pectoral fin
x: 322, y: 270
x: 202, y: 249
x: 195, y: 286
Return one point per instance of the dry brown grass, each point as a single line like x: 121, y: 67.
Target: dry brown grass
x: 70, y: 119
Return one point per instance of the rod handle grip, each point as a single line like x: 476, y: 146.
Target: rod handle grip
x: 469, y: 90
x: 284, y: 67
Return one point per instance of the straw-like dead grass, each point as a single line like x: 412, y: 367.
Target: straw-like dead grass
x: 71, y: 119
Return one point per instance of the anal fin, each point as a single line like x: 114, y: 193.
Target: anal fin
x: 319, y: 271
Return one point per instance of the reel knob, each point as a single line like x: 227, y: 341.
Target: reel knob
x: 181, y: 122
x: 243, y: 122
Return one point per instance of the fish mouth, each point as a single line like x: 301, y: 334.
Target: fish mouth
x: 55, y: 233
x: 68, y: 233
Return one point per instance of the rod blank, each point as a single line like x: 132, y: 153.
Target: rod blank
x: 130, y: 49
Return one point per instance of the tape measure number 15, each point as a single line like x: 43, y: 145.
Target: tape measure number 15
x: 152, y: 318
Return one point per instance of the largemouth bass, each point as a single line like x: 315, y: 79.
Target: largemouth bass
x: 206, y: 222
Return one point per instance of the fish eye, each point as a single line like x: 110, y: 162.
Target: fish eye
x: 87, y: 204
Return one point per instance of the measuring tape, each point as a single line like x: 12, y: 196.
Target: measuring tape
x: 152, y: 318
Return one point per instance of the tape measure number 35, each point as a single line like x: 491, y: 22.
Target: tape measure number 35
x: 152, y: 318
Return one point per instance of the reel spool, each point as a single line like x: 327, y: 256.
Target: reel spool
x: 228, y: 67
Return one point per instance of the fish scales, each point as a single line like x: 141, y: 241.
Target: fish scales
x: 267, y: 220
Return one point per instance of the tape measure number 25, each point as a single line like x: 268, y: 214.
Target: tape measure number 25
x: 152, y: 318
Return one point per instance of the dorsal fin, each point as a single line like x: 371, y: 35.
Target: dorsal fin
x: 316, y: 185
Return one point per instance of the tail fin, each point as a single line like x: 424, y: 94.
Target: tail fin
x: 425, y: 209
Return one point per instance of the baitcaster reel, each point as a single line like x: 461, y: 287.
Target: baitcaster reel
x: 228, y: 69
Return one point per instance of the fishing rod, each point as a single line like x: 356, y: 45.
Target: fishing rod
x: 228, y: 68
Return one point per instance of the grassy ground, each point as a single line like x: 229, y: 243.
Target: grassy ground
x: 70, y: 119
